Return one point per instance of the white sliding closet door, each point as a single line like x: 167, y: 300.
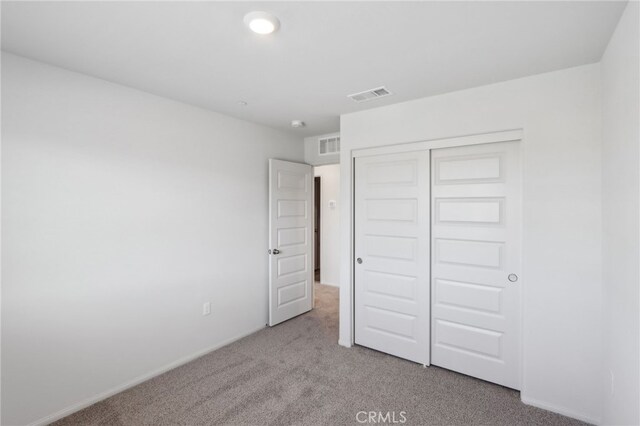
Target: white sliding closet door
x: 476, y: 233
x: 392, y: 250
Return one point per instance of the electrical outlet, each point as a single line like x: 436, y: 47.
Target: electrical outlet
x: 206, y: 308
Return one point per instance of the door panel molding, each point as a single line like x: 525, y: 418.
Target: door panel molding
x: 347, y: 334
x: 493, y: 218
x: 392, y: 279
x: 290, y: 240
x: 476, y: 322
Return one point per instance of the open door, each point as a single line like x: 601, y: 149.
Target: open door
x: 290, y: 240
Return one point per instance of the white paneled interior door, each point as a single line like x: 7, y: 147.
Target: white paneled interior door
x: 290, y: 240
x: 392, y: 250
x: 476, y: 261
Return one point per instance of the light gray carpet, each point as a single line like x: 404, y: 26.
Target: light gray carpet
x: 295, y: 373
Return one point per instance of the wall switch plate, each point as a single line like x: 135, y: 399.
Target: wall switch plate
x: 206, y: 308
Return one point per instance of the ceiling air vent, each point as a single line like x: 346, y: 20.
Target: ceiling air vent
x: 368, y: 95
x: 329, y: 145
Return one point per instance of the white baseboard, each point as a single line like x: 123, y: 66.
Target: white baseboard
x: 560, y: 410
x: 104, y: 395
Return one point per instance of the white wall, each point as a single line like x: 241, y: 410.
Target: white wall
x: 560, y: 114
x: 621, y: 215
x: 311, y: 151
x: 329, y: 223
x: 122, y: 214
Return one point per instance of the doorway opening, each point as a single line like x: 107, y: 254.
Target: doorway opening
x: 326, y: 224
x: 302, y: 242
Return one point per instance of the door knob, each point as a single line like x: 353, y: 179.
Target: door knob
x: 359, y: 260
x: 513, y: 278
x: 276, y: 251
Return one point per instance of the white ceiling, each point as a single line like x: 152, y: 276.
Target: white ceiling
x: 202, y: 54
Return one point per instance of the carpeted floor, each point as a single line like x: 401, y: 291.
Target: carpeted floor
x: 295, y: 373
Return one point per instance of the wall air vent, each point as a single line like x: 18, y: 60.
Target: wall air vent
x: 329, y: 145
x: 371, y: 94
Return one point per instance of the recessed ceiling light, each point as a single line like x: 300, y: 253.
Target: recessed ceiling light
x: 261, y: 22
x: 242, y: 103
x: 297, y: 123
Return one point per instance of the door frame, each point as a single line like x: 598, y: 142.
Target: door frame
x: 317, y: 221
x: 513, y: 135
